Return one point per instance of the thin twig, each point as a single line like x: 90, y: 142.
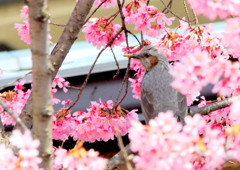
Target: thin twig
x: 124, y: 153
x: 123, y: 22
x: 141, y: 37
x: 91, y: 69
x: 72, y: 87
x: 134, y: 36
x: 15, y: 117
x: 214, y: 106
x: 62, y: 143
x: 111, y: 18
x: 118, y: 158
x: 95, y: 10
x: 115, y: 59
x: 195, y: 17
x: 169, y: 6
x: 148, y: 2
x: 127, y: 71
x: 1, y: 124
x: 12, y: 82
x: 174, y: 13
x: 56, y: 24
x: 186, y: 10
x: 125, y: 79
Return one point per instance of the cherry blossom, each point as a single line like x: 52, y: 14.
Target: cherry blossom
x: 60, y: 82
x: 184, y: 79
x: 28, y: 153
x: 24, y: 29
x: 100, y: 31
x: 102, y: 122
x: 63, y: 124
x: 166, y: 144
x: 106, y: 4
x: 212, y: 8
x: 231, y: 36
x: 79, y: 158
x: 234, y: 113
x: 146, y: 18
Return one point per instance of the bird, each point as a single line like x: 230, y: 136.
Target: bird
x: 157, y: 95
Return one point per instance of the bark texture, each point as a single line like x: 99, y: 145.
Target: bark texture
x: 42, y: 78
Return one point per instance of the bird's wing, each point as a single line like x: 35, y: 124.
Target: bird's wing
x: 182, y: 107
x: 148, y: 110
x: 157, y: 95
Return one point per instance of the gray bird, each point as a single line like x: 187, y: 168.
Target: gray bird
x: 156, y: 93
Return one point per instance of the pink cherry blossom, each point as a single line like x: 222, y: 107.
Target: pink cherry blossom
x: 231, y: 36
x: 106, y: 4
x: 15, y: 101
x: 166, y: 144
x: 234, y: 114
x: 101, y: 122
x: 28, y: 153
x: 79, y: 158
x: 100, y: 31
x: 187, y: 78
x: 146, y: 18
x: 24, y: 31
x: 212, y: 9
x: 234, y: 149
x: 8, y: 160
x: 66, y: 102
x: 19, y: 86
x: 60, y: 82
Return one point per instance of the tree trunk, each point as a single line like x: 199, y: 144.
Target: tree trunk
x: 42, y: 78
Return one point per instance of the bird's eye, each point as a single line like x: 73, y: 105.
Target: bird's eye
x: 147, y: 55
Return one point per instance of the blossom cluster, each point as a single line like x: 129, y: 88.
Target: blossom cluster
x: 166, y: 144
x: 101, y: 122
x: 24, y: 29
x: 78, y: 158
x: 212, y: 8
x: 27, y: 157
x: 146, y: 18
x: 106, y: 4
x: 231, y: 36
x: 15, y: 100
x: 202, y: 70
x: 100, y: 31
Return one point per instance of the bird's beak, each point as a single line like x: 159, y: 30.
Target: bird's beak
x: 131, y: 56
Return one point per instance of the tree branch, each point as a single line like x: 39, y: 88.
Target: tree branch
x: 118, y: 158
x: 10, y: 112
x: 214, y: 106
